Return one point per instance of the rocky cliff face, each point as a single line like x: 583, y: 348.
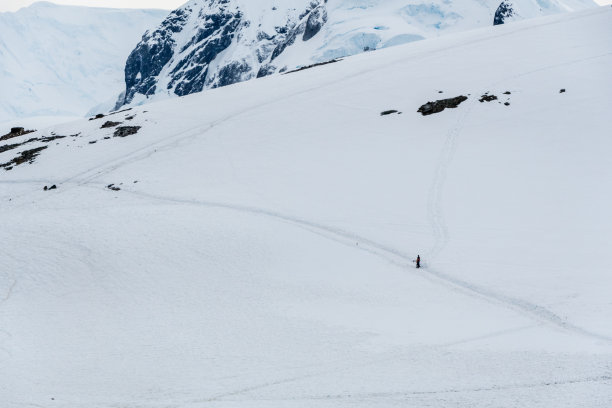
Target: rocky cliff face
x: 185, y: 54
x: 504, y: 12
x: 211, y: 43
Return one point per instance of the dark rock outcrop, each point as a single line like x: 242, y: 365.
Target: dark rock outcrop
x: 151, y: 55
x: 438, y: 106
x: 503, y: 13
x: 312, y: 66
x: 316, y: 21
x: 123, y: 131
x: 26, y: 156
x: 16, y: 132
x: 389, y: 112
x: 487, y: 98
x: 109, y: 124
x: 199, y: 62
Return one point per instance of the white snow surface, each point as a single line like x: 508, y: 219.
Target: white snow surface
x: 62, y: 60
x: 259, y: 252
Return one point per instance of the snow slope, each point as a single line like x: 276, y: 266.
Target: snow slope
x: 211, y: 43
x: 259, y: 250
x: 63, y: 60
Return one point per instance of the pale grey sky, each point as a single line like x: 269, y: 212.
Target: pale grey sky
x: 14, y: 5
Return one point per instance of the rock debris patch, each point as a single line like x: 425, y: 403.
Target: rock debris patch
x: 15, y: 132
x: 487, y: 98
x: 438, y: 106
x: 98, y: 116
x: 27, y: 156
x: 109, y: 124
x: 389, y: 112
x: 124, y: 131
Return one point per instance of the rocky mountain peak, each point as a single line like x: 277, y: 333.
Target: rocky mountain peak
x: 211, y: 43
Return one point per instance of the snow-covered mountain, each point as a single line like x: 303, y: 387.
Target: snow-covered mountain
x: 63, y: 60
x: 211, y: 43
x: 251, y: 246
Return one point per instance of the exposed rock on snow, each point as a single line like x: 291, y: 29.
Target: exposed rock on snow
x: 312, y: 66
x: 25, y: 156
x: 439, y: 105
x: 389, y: 112
x: 123, y: 131
x: 109, y: 124
x: 487, y: 98
x: 504, y: 12
x: 16, y: 132
x: 12, y: 146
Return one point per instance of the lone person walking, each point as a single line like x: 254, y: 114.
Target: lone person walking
x: 418, y: 261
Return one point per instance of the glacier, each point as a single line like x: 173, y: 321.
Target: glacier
x: 59, y: 62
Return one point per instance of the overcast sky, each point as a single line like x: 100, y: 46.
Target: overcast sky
x: 13, y: 5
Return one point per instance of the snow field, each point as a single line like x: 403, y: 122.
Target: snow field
x: 263, y: 258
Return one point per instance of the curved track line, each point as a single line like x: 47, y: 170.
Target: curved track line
x: 434, y: 210
x: 434, y: 207
x: 559, y: 383
x: 399, y: 258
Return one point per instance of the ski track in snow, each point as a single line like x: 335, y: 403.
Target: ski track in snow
x: 434, y: 210
x: 91, y: 179
x: 601, y: 379
x: 87, y: 179
x: 440, y: 229
x: 434, y: 203
x: 397, y: 257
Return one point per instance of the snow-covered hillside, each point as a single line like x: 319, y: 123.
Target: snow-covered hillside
x: 252, y: 246
x: 61, y: 60
x: 211, y: 43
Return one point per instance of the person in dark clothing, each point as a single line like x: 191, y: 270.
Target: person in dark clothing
x: 418, y: 261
